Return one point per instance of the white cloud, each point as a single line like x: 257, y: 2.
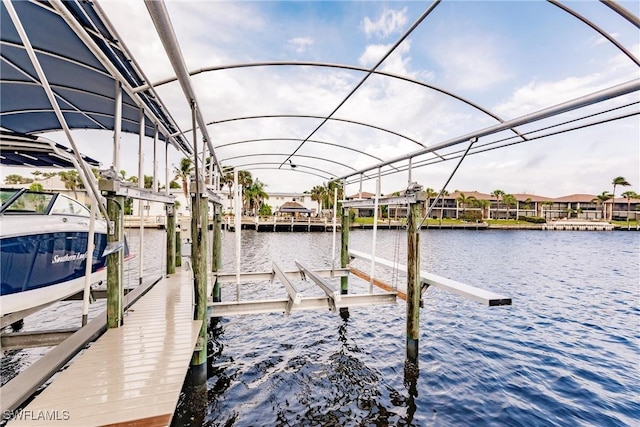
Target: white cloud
x: 472, y: 61
x: 391, y: 21
x: 300, y: 44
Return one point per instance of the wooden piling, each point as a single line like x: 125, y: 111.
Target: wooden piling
x: 413, y: 281
x: 178, y: 249
x: 199, y: 265
x: 115, y: 263
x: 171, y: 239
x: 216, y: 251
x: 344, y: 250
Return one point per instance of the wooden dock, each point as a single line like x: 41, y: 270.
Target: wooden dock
x: 131, y: 375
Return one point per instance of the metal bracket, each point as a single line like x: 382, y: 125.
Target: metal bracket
x: 423, y: 289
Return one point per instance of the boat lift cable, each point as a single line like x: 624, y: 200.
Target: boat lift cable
x: 366, y: 76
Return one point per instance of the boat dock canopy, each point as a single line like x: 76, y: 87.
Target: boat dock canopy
x: 25, y: 150
x: 80, y: 63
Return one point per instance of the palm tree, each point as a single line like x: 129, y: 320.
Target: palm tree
x: 318, y: 194
x: 630, y: 195
x: 509, y: 200
x: 464, y: 201
x: 619, y: 180
x: 256, y: 194
x: 245, y: 180
x: 600, y: 199
x: 227, y: 178
x: 330, y: 188
x: 183, y: 173
x: 497, y: 194
x: 483, y: 204
x: 71, y: 181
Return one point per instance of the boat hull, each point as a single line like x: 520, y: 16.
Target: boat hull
x: 46, y: 261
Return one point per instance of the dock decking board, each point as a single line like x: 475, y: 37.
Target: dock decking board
x: 131, y: 375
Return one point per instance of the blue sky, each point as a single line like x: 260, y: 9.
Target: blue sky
x: 510, y: 57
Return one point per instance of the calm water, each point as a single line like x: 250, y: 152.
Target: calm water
x: 566, y: 353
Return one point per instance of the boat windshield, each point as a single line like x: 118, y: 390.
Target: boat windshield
x: 7, y: 194
x: 28, y: 202
x: 66, y: 206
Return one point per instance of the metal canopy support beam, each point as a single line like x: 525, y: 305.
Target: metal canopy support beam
x: 105, y: 60
x: 121, y: 189
x: 584, y: 101
x: 485, y: 297
x: 295, y: 296
x: 160, y: 17
x: 42, y: 77
x: 388, y: 201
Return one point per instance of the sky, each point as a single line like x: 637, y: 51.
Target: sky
x: 510, y: 58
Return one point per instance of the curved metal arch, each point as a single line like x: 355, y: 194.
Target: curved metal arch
x: 297, y: 140
x: 310, y: 116
x: 297, y: 169
x: 593, y: 26
x: 333, y: 65
x: 294, y: 165
x: 622, y: 12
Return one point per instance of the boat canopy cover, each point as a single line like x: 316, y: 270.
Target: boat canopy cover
x: 81, y: 65
x: 22, y: 150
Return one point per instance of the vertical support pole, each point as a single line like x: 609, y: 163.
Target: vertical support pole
x: 413, y: 281
x: 89, y: 263
x: 117, y: 126
x: 141, y: 202
x: 238, y: 227
x: 171, y: 239
x: 334, y: 228
x: 199, y: 207
x: 115, y: 271
x: 155, y: 161
x: 216, y: 252
x: 178, y: 248
x: 199, y: 265
x: 344, y: 250
x: 375, y: 232
x: 166, y: 167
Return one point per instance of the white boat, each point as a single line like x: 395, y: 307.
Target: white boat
x: 43, y: 249
x: 43, y: 236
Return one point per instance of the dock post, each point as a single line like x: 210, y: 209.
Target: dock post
x: 216, y: 252
x: 115, y: 262
x: 171, y: 239
x: 413, y: 280
x: 199, y: 265
x: 344, y: 250
x: 178, y: 248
